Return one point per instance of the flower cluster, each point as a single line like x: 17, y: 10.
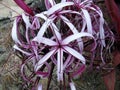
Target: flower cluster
x: 58, y: 37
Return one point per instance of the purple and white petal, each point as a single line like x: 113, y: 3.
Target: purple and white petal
x: 60, y: 64
x: 75, y: 54
x: 75, y: 37
x: 58, y: 6
x: 22, y: 51
x: 14, y: 33
x: 44, y: 59
x: 72, y: 86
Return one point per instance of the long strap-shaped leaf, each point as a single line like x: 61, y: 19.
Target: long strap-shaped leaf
x: 24, y: 6
x: 114, y: 12
x: 115, y: 15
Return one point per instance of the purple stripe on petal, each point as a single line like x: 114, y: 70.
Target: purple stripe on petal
x: 44, y: 59
x: 14, y: 33
x: 42, y: 74
x: 60, y: 65
x: 75, y: 54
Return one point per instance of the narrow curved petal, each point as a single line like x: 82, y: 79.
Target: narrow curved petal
x: 58, y: 6
x: 88, y: 21
x: 72, y: 86
x: 44, y: 59
x: 102, y: 34
x: 79, y: 71
x: 63, y: 0
x: 60, y: 64
x: 24, y: 52
x: 49, y: 42
x: 75, y: 53
x: 70, y: 25
x: 67, y: 61
x: 14, y: 31
x: 42, y: 30
x: 52, y: 2
x: 49, y: 3
x: 39, y: 87
x: 22, y: 72
x: 70, y: 12
x: 56, y: 31
x: 35, y: 24
x: 73, y: 29
x: 42, y: 15
x: 83, y: 26
x: 26, y: 20
x: 75, y: 37
x: 42, y: 74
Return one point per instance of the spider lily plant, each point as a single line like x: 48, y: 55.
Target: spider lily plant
x: 59, y: 38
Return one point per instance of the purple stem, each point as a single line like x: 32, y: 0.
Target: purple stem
x: 24, y: 6
x: 50, y: 77
x: 64, y: 83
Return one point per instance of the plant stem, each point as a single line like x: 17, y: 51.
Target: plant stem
x: 64, y: 84
x: 50, y: 77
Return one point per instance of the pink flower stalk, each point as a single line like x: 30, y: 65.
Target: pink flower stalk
x: 22, y: 4
x: 59, y: 37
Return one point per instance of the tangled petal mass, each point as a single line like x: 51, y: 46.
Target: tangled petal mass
x: 60, y: 37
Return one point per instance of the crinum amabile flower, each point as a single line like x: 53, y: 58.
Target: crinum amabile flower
x: 58, y: 38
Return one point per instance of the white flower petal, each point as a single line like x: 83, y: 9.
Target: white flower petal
x: 14, y: 33
x: 67, y: 61
x: 70, y: 25
x: 75, y: 54
x: 39, y: 87
x: 58, y: 6
x: 88, y: 20
x: 49, y: 42
x: 52, y: 2
x: 102, y: 34
x: 26, y: 20
x: 42, y: 15
x: 42, y: 30
x: 75, y: 37
x: 24, y: 52
x: 63, y: 0
x: 44, y: 59
x: 73, y: 29
x: 72, y: 86
x: 60, y: 64
x: 56, y: 30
